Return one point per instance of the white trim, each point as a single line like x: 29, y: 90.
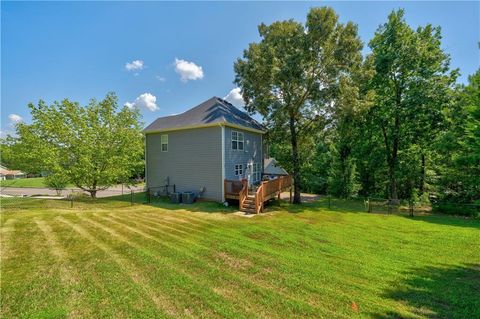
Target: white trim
x: 188, y: 127
x: 223, y: 163
x: 146, y: 165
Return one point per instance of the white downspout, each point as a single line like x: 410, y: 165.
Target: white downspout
x: 223, y: 163
x: 145, y: 160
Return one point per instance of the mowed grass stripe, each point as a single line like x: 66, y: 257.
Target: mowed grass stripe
x: 200, y: 266
x: 6, y: 233
x: 263, y: 253
x: 265, y: 295
x: 365, y: 290
x: 36, y: 290
x: 162, y: 302
x: 68, y: 275
x: 109, y: 291
x: 325, y: 284
x: 241, y: 270
x: 165, y: 263
x: 254, y: 274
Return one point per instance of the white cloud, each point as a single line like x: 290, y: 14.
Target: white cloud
x: 15, y: 118
x: 188, y: 70
x: 235, y: 97
x: 160, y: 78
x: 135, y: 65
x: 145, y: 100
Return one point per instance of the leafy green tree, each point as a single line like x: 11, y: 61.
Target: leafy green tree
x: 412, y: 84
x: 291, y: 77
x: 6, y: 152
x: 57, y: 181
x: 460, y: 146
x: 92, y: 147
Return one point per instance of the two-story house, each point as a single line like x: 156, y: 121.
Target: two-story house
x: 201, y: 148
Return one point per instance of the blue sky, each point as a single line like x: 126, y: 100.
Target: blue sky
x: 167, y: 57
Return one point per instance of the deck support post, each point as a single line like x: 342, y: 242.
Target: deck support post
x: 290, y: 195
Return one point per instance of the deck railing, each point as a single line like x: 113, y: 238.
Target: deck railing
x: 243, y: 193
x: 270, y: 189
x: 265, y: 191
x: 259, y: 197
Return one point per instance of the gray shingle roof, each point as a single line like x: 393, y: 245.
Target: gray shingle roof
x: 271, y: 167
x: 212, y: 111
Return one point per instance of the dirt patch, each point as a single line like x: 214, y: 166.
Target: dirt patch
x: 234, y: 262
x: 305, y: 197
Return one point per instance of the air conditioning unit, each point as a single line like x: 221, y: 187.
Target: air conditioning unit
x: 176, y: 197
x: 188, y: 197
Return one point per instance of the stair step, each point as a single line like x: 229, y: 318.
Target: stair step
x: 249, y: 211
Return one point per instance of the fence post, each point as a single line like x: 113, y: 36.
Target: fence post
x: 71, y: 199
x: 369, y: 205
x: 411, y: 208
x: 329, y: 198
x: 148, y: 195
x: 131, y: 197
x: 174, y: 188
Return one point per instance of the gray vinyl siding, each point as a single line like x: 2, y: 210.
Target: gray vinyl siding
x: 252, y: 152
x: 193, y: 160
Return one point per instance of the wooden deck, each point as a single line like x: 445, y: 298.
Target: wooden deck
x: 253, y: 201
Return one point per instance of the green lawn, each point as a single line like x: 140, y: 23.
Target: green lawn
x: 34, y: 182
x: 165, y: 260
x: 23, y: 182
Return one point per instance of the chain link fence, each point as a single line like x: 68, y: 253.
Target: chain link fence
x: 401, y: 206
x: 72, y: 200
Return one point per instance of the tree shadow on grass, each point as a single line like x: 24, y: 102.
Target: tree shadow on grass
x: 438, y: 292
x: 359, y: 206
x: 441, y: 219
x: 335, y: 205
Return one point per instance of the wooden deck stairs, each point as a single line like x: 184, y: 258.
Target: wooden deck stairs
x: 249, y: 205
x: 253, y: 201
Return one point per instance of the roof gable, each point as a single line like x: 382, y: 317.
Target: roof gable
x: 213, y: 111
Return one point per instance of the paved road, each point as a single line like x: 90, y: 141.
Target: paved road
x: 29, y: 191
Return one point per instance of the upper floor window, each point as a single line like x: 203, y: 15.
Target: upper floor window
x: 164, y: 142
x: 237, y: 140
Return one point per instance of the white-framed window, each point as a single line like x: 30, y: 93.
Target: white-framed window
x: 238, y: 169
x: 164, y: 142
x: 257, y: 172
x: 237, y: 141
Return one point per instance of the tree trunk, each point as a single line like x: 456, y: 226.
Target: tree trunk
x: 421, y: 187
x: 93, y: 190
x: 392, y: 158
x: 393, y: 182
x: 296, y: 162
x: 392, y: 154
x: 392, y: 171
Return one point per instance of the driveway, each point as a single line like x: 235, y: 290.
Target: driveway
x: 29, y: 191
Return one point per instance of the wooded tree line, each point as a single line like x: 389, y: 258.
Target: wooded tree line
x: 393, y: 124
